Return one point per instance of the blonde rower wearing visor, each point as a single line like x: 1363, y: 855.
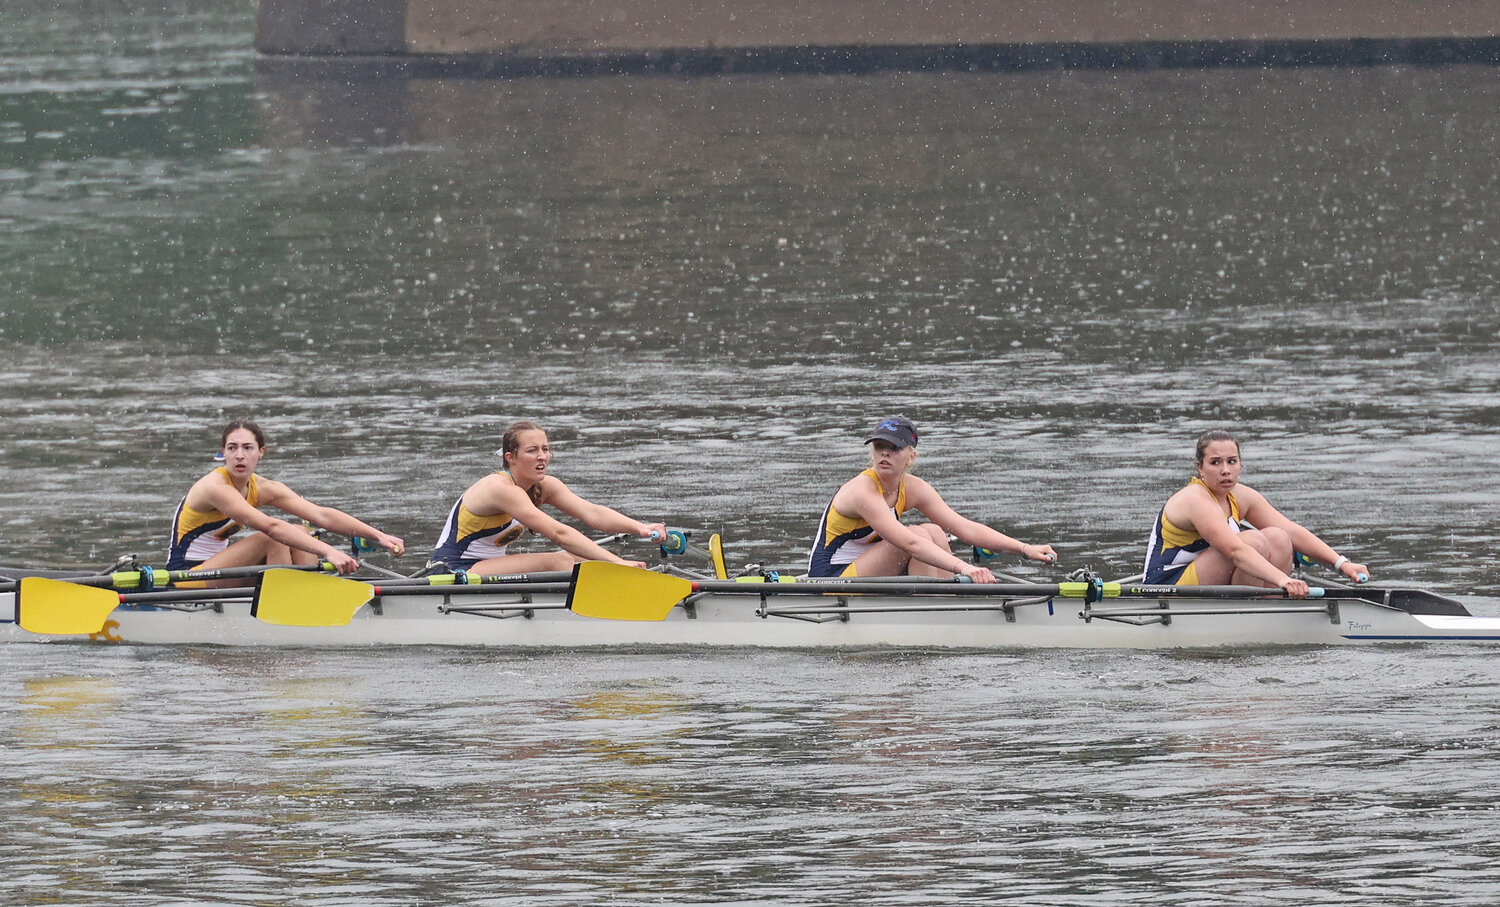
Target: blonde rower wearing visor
x: 861, y: 533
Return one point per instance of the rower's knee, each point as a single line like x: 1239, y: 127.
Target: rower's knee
x: 933, y: 532
x: 1273, y: 544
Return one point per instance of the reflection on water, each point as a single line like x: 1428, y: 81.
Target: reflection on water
x: 777, y: 776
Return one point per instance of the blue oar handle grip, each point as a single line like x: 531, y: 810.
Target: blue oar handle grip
x: 1362, y: 578
x: 359, y: 544
x: 675, y: 542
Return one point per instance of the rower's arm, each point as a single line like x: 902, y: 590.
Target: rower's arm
x: 926, y: 499
x: 866, y: 501
x: 507, y: 498
x: 1209, y: 522
x: 598, y: 516
x: 228, y: 502
x: 568, y: 538
x: 1304, y: 540
x: 330, y: 518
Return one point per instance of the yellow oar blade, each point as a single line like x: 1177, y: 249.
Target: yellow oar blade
x: 618, y: 592
x: 294, y: 598
x: 57, y: 608
x: 716, y: 554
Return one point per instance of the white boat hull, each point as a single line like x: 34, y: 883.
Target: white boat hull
x: 511, y: 620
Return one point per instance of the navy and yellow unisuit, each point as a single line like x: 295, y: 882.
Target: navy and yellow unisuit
x: 1171, y: 550
x: 198, y: 535
x: 841, y: 539
x: 469, y: 538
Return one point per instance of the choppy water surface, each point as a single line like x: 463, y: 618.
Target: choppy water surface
x: 749, y: 777
x: 708, y: 288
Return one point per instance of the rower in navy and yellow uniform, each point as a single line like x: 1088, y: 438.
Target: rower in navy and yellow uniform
x: 861, y: 533
x: 499, y: 508
x: 1199, y: 539
x: 228, y: 499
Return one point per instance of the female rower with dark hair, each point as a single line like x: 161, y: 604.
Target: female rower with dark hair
x: 499, y: 508
x: 1198, y: 538
x: 226, y: 500
x: 861, y: 533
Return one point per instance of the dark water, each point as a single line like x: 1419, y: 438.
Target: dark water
x: 707, y: 288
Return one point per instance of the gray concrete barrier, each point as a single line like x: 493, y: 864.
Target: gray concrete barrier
x: 518, y: 37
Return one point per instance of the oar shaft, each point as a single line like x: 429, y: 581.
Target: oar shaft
x: 462, y: 580
x: 1206, y: 592
x: 384, y: 590
x: 915, y: 587
x: 153, y: 578
x: 187, y: 595
x: 863, y: 587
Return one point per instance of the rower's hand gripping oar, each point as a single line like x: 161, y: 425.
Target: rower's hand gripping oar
x: 1302, y: 560
x: 676, y: 543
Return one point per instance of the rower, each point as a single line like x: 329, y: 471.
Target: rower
x: 228, y: 499
x: 1199, y: 539
x: 861, y: 533
x: 501, y: 507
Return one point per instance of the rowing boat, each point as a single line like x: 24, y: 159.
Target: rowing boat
x: 605, y: 605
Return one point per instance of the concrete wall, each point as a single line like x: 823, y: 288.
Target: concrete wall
x: 796, y: 33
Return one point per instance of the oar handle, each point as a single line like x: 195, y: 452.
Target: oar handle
x: 674, y: 542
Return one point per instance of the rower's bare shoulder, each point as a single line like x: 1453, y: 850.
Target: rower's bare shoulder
x: 1187, y: 501
x: 857, y: 490
x: 919, y: 491
x: 270, y: 491
x: 858, y: 484
x: 488, y: 494
x: 1252, y: 503
x: 1247, y: 496
x: 205, y: 492
x: 551, y: 489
